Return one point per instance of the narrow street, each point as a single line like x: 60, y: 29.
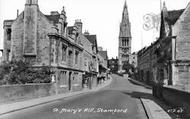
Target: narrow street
x: 119, y: 100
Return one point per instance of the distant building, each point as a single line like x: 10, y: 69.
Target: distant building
x: 104, y: 58
x: 103, y: 64
x: 113, y: 65
x: 133, y: 59
x: 124, y: 50
x: 90, y: 56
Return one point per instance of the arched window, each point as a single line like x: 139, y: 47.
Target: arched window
x: 124, y: 42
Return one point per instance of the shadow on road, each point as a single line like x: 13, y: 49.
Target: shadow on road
x: 164, y: 105
x: 140, y: 95
x: 139, y: 84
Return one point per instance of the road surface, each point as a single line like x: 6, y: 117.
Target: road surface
x: 119, y: 100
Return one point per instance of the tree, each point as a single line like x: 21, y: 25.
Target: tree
x: 127, y: 67
x: 4, y: 71
x: 21, y: 72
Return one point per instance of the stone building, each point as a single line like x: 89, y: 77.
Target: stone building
x: 179, y: 47
x: 124, y: 50
x: 103, y: 64
x: 90, y: 58
x: 113, y: 65
x: 46, y: 40
x: 103, y: 57
x: 167, y: 60
x: 133, y: 59
x: 144, y: 64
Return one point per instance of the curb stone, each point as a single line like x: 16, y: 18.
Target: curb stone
x: 153, y: 110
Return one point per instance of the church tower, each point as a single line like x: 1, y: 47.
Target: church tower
x: 124, y: 50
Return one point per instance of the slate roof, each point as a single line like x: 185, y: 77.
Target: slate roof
x: 54, y: 18
x: 103, y: 54
x: 92, y: 39
x: 173, y: 16
x: 70, y: 30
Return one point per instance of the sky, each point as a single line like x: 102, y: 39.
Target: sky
x: 100, y: 17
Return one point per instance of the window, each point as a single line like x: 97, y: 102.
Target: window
x: 70, y: 62
x: 127, y: 42
x: 76, y: 57
x: 53, y: 51
x: 8, y: 55
x: 64, y: 52
x: 85, y: 62
x: 9, y: 34
x: 123, y: 42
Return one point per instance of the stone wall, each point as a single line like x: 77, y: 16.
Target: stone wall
x: 43, y: 42
x: 24, y: 92
x: 177, y: 98
x: 17, y: 37
x: 182, y: 76
x: 181, y: 30
x: 181, y: 45
x: 14, y: 93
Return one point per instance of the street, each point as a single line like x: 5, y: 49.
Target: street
x: 119, y: 100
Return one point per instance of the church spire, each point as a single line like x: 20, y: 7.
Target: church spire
x: 164, y: 9
x: 125, y: 12
x: 124, y: 49
x: 125, y: 26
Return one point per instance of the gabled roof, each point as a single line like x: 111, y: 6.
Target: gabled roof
x: 173, y: 16
x: 54, y: 18
x: 103, y: 54
x: 92, y: 39
x: 70, y: 30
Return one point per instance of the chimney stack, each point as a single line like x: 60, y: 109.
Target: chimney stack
x: 17, y: 13
x: 78, y: 24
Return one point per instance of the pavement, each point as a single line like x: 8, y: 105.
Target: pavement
x: 153, y: 110
x: 12, y: 107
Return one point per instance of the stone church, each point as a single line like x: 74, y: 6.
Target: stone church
x: 124, y: 50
